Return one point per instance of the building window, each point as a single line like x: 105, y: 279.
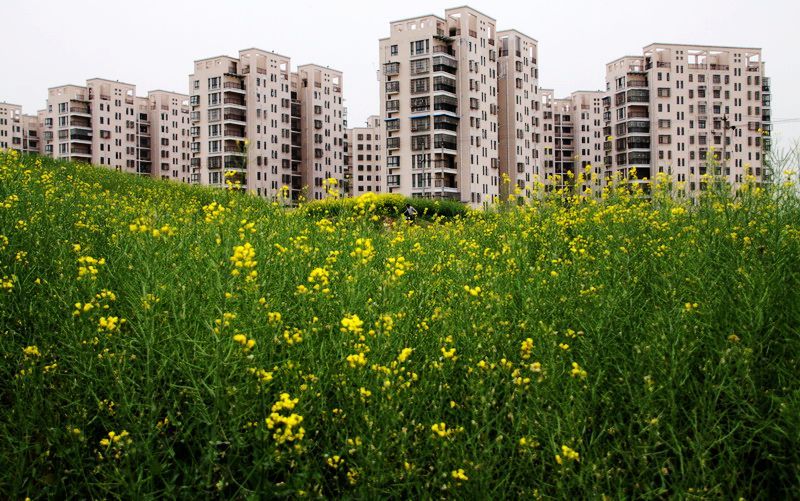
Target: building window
x: 420, y: 66
x: 420, y: 85
x: 420, y: 47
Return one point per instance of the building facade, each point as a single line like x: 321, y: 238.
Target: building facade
x: 168, y: 114
x: 687, y: 111
x: 365, y: 147
x: 266, y: 129
x: 439, y: 105
x: 519, y: 114
x: 31, y: 134
x: 105, y: 123
x: 11, y: 128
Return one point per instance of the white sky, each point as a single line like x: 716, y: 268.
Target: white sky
x: 153, y: 44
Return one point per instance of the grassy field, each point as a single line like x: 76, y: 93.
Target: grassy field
x: 166, y: 340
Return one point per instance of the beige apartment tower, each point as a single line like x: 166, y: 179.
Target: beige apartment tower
x: 365, y: 147
x: 519, y: 118
x: 272, y: 132
x: 11, y: 126
x: 168, y: 114
x: 105, y: 123
x: 572, y: 141
x: 676, y: 108
x: 439, y: 104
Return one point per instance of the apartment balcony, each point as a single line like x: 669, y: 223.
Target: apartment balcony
x: 234, y: 115
x: 639, y: 127
x: 639, y: 158
x: 445, y: 87
x: 80, y: 121
x: 443, y: 142
x: 80, y: 150
x: 234, y: 87
x: 234, y: 131
x: 144, y: 130
x: 445, y: 103
x: 637, y: 84
x: 637, y: 112
x: 391, y: 69
x: 234, y: 162
x: 638, y: 143
x: 234, y: 147
x: 637, y: 96
x: 234, y: 101
x: 81, y: 135
x: 443, y: 49
x: 80, y: 109
x: 445, y: 162
x: 445, y: 122
x: 420, y: 125
x: 445, y: 64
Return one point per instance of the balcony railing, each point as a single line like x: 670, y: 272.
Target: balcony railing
x: 238, y: 117
x: 442, y: 49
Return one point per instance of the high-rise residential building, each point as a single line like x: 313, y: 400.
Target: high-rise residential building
x: 519, y: 117
x: 11, y: 127
x: 169, y: 135
x: 365, y: 147
x: 681, y: 109
x: 319, y: 90
x: 31, y: 134
x: 106, y: 124
x: 347, y: 183
x: 439, y: 104
x: 95, y: 123
x: 587, y: 117
x: 572, y: 140
x: 272, y: 132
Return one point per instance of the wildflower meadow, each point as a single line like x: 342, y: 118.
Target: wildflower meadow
x: 168, y: 340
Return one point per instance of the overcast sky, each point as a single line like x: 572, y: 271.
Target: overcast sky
x: 153, y: 44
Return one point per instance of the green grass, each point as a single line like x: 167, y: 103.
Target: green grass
x: 676, y: 399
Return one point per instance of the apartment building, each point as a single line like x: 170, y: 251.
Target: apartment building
x: 319, y: 90
x: 519, y: 117
x: 168, y: 117
x: 676, y: 107
x: 95, y: 123
x: 19, y: 131
x: 105, y: 123
x: 439, y: 104
x: 10, y: 126
x: 31, y: 134
x: 587, y: 120
x: 257, y: 124
x: 365, y: 147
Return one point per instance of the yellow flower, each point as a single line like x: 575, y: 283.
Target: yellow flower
x: 459, y: 474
